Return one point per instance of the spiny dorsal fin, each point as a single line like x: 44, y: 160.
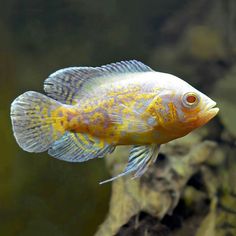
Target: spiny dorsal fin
x: 139, y: 160
x: 65, y: 85
x: 73, y: 147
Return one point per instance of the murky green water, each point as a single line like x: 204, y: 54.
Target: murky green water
x: 40, y: 195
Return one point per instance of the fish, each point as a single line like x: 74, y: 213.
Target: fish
x: 88, y: 111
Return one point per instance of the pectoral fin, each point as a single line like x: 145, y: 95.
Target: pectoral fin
x: 130, y: 124
x: 141, y: 157
x: 131, y: 119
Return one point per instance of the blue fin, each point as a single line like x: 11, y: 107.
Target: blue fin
x: 68, y: 85
x: 73, y: 147
x: 141, y: 157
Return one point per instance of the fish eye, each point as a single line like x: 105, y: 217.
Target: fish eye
x: 190, y: 100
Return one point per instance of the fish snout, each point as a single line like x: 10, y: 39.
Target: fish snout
x: 212, y: 109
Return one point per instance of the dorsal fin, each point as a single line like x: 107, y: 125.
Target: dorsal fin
x: 65, y: 85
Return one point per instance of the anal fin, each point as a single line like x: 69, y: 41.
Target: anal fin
x: 140, y: 158
x: 74, y: 147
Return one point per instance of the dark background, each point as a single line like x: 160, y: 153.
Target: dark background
x: 193, y: 39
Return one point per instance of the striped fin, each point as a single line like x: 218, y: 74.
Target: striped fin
x: 68, y: 85
x: 74, y: 147
x: 141, y: 157
x: 34, y: 124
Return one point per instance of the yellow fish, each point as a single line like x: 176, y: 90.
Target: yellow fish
x: 88, y: 111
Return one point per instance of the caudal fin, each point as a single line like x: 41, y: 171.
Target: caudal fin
x: 35, y: 122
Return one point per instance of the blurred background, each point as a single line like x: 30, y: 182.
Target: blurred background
x: 193, y: 39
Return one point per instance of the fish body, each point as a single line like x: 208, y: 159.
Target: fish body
x: 89, y: 111
x: 135, y: 110
x: 117, y: 113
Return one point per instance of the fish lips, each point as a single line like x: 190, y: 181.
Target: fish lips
x: 212, y: 110
x: 206, y: 114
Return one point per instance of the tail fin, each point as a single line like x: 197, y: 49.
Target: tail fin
x: 35, y: 122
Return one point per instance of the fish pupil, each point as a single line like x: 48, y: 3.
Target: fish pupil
x: 191, y: 99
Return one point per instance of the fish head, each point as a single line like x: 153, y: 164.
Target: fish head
x: 197, y: 109
x: 184, y: 108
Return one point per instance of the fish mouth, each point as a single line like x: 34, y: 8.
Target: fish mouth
x: 212, y: 110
